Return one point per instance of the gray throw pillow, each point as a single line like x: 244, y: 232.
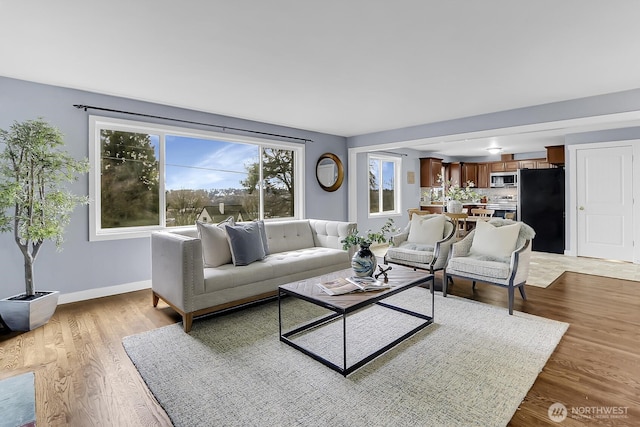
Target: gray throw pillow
x: 245, y: 242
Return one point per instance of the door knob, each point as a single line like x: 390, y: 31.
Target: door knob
x: 581, y: 208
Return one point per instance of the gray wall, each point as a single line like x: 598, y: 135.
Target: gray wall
x: 579, y: 108
x: 84, y: 265
x: 410, y: 193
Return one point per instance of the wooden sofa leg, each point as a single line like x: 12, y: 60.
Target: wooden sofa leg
x: 156, y: 298
x: 187, y: 320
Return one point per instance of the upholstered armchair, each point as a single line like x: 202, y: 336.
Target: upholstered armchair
x: 423, y: 244
x: 496, y: 252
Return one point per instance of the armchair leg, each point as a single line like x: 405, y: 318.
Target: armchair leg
x: 510, y: 299
x: 521, y: 289
x: 445, y: 278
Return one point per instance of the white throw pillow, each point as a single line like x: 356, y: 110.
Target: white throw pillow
x: 215, y: 246
x: 426, y: 231
x: 496, y: 242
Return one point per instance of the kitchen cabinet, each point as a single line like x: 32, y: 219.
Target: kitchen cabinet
x: 543, y: 164
x: 496, y: 166
x: 454, y: 173
x: 483, y: 175
x: 534, y: 164
x: 430, y: 168
x: 469, y: 172
x: 507, y: 166
x: 511, y: 166
x: 528, y: 164
x: 555, y: 154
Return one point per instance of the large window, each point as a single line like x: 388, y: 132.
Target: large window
x: 153, y: 177
x: 384, y: 196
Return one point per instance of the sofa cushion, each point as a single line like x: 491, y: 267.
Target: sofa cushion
x: 283, y: 236
x: 411, y: 252
x: 426, y: 231
x: 300, y: 260
x: 245, y: 242
x: 278, y: 264
x: 495, y: 242
x: 215, y: 246
x: 479, y: 266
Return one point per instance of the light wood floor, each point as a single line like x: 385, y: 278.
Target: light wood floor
x: 84, y: 377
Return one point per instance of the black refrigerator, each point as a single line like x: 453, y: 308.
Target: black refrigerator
x: 541, y: 205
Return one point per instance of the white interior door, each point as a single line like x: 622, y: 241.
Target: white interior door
x: 605, y: 202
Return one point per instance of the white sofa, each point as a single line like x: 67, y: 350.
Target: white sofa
x: 298, y: 249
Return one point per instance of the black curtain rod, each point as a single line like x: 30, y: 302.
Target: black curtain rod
x: 224, y: 128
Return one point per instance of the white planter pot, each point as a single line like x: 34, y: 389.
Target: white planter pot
x: 454, y: 206
x: 26, y: 315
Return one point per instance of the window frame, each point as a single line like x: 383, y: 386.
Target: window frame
x: 98, y: 123
x: 397, y: 161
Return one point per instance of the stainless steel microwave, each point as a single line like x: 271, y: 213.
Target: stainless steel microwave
x: 503, y: 179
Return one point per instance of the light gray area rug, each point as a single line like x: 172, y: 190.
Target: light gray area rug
x: 473, y: 366
x: 17, y: 401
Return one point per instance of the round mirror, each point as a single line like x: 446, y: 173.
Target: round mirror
x: 329, y: 172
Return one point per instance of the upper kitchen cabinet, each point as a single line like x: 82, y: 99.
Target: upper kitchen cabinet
x: 430, y: 168
x: 454, y: 173
x: 469, y: 172
x: 505, y: 166
x: 528, y: 164
x: 534, y: 164
x: 555, y: 154
x: 483, y: 175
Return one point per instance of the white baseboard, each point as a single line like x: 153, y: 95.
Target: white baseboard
x: 103, y: 292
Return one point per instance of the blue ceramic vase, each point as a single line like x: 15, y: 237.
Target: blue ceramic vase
x: 364, y: 262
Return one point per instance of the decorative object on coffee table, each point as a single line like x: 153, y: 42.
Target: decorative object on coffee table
x: 383, y: 272
x: 364, y: 262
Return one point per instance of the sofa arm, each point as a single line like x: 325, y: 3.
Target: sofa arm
x: 442, y: 250
x: 397, y: 239
x: 177, y: 269
x: 462, y: 247
x: 328, y: 234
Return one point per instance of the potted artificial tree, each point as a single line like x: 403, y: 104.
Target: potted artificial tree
x: 36, y: 207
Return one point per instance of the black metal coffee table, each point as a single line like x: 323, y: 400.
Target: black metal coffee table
x: 400, y: 279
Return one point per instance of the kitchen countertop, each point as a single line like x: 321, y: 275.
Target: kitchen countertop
x: 510, y: 206
x: 439, y: 205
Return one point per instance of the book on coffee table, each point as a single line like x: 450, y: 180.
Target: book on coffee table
x: 347, y: 285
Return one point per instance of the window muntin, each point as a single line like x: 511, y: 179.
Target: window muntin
x: 190, y: 175
x: 383, y: 178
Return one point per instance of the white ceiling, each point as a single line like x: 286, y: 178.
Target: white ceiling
x: 344, y: 67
